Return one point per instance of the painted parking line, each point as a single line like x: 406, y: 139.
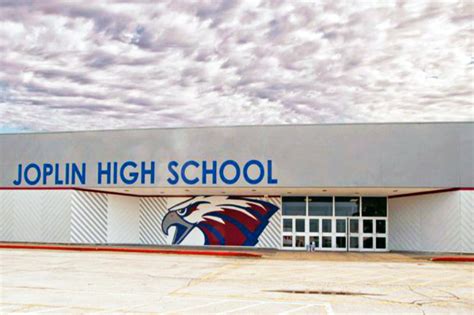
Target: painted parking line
x: 256, y: 303
x: 187, y: 309
x: 238, y: 309
x: 297, y: 309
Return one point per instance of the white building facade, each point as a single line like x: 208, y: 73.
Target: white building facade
x: 360, y: 187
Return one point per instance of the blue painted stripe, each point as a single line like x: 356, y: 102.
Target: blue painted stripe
x: 213, y: 231
x: 250, y: 237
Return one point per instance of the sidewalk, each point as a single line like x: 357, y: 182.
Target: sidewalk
x: 366, y: 256
x: 271, y: 254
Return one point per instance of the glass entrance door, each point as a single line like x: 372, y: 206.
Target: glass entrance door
x: 335, y: 223
x: 314, y: 234
x: 374, y: 234
x: 353, y: 234
x: 294, y: 232
x: 340, y: 234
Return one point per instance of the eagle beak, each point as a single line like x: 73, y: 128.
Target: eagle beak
x: 182, y: 227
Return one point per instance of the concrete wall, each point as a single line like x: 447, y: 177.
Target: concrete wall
x: 67, y: 216
x: 441, y: 222
x: 358, y: 155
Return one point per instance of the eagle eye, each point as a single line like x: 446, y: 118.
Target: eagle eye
x: 183, y: 211
x: 190, y: 208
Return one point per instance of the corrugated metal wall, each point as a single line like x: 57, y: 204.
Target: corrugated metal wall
x: 152, y: 211
x: 35, y: 216
x: 434, y: 222
x: 441, y: 222
x: 67, y: 216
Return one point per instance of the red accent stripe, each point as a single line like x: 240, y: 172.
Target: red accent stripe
x: 454, y: 258
x: 132, y: 250
x: 431, y: 192
x: 188, y: 196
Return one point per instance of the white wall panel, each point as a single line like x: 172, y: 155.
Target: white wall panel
x: 467, y: 220
x: 27, y: 216
x: 271, y: 236
x: 152, y: 211
x: 123, y: 220
x: 7, y: 204
x: 404, y: 225
x: 56, y: 216
x: 440, y: 221
x: 433, y: 222
x: 89, y: 218
x: 35, y: 216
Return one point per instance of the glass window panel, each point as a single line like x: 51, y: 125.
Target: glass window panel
x: 354, y: 242
x: 327, y: 226
x: 327, y: 242
x: 314, y: 225
x: 299, y: 241
x: 320, y: 206
x: 341, y: 226
x: 299, y: 225
x: 380, y: 243
x: 287, y: 241
x: 381, y: 226
x: 368, y: 242
x: 347, y: 206
x: 374, y: 206
x: 341, y: 242
x: 368, y: 228
x: 354, y: 226
x: 287, y: 225
x: 294, y: 205
x: 314, y: 241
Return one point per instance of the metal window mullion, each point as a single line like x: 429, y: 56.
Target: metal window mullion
x: 333, y: 223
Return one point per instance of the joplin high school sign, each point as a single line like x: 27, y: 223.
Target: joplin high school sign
x: 191, y: 172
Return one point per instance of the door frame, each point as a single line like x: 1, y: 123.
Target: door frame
x: 333, y: 234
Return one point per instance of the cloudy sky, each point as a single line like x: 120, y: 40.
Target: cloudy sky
x: 105, y: 65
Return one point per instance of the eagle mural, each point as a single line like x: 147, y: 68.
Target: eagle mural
x: 221, y: 220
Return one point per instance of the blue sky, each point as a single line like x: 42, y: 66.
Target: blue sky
x: 79, y: 65
x: 5, y: 129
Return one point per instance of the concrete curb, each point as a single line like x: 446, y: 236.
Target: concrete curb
x: 133, y: 250
x: 453, y: 259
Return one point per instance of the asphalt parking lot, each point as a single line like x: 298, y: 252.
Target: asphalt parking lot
x: 41, y: 281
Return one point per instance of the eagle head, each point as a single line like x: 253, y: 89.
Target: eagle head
x: 223, y: 220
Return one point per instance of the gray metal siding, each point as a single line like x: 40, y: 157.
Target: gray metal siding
x: 365, y: 155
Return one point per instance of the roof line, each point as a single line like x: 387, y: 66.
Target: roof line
x: 242, y: 126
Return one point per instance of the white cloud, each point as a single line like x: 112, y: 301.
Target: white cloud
x: 102, y: 65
